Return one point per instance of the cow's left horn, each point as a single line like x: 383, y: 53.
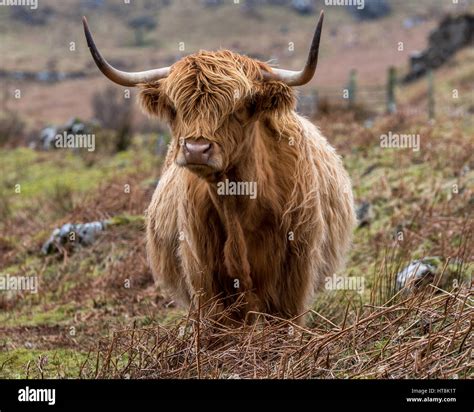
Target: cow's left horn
x: 123, y: 78
x: 299, y: 78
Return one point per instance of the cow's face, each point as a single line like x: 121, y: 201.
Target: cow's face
x: 211, y: 101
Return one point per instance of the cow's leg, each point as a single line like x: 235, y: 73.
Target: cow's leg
x: 295, y: 289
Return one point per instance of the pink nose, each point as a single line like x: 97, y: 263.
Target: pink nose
x: 197, y: 151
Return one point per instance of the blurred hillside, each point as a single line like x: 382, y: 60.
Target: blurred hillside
x: 51, y: 40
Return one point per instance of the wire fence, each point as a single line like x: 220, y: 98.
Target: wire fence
x: 378, y: 99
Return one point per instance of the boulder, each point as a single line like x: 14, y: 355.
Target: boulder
x: 73, y: 234
x: 453, y: 34
x: 416, y: 274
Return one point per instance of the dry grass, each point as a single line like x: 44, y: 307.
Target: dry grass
x: 425, y: 335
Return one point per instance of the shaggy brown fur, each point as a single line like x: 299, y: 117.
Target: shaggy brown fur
x: 277, y: 248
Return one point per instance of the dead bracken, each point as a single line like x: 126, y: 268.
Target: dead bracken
x: 424, y: 336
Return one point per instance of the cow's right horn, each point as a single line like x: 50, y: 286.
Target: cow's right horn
x: 123, y: 78
x: 299, y: 78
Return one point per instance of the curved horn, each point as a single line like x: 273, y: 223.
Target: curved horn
x: 117, y: 76
x: 299, y: 78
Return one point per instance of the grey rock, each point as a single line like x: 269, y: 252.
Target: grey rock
x: 302, y: 6
x: 452, y: 34
x: 364, y: 213
x: 373, y: 9
x: 73, y: 126
x: 82, y: 233
x: 415, y: 274
x: 47, y: 137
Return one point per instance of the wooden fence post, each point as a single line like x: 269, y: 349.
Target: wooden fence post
x: 391, y: 83
x: 431, y: 98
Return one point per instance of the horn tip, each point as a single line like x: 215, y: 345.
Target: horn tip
x: 87, y: 32
x: 85, y: 24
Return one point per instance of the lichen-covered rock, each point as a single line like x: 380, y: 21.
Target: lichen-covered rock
x: 86, y: 233
x: 415, y: 275
x: 73, y: 234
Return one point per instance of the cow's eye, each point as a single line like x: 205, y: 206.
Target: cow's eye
x: 170, y: 109
x: 240, y: 114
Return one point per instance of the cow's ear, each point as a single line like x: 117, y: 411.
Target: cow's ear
x: 273, y: 97
x: 155, y: 103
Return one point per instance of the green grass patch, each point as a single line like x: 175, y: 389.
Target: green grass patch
x: 47, y: 364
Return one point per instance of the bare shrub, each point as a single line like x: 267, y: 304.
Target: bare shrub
x: 114, y: 111
x: 11, y: 128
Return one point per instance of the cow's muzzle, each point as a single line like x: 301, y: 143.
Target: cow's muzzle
x: 197, y: 151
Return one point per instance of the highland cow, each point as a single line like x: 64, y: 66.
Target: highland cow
x: 233, y: 120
